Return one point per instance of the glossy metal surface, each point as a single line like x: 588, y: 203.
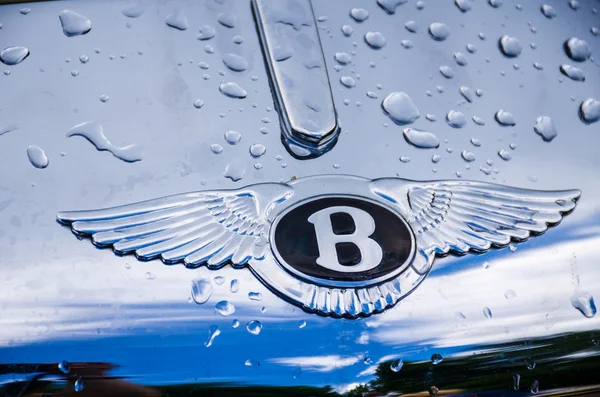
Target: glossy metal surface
x: 128, y: 326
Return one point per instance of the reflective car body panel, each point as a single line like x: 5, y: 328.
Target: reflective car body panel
x: 502, y: 322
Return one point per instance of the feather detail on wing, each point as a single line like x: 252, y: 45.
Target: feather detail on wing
x: 212, y: 228
x: 461, y: 216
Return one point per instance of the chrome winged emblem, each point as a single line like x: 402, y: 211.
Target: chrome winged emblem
x: 336, y: 245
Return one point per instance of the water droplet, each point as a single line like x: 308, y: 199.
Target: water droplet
x: 467, y: 156
x: 548, y: 11
x: 471, y: 48
x: 447, y: 72
x: 375, y: 40
x: 224, y: 308
x: 436, y: 158
x: 456, y: 119
x: 359, y: 14
x: 74, y: 24
x: 201, y: 290
x: 235, y: 323
x: 437, y: 358
x: 420, y: 5
x: 347, y: 30
x: 407, y: 44
x: 79, y: 385
x: 63, y: 366
x: 545, y: 128
x: 347, y: 81
x: 535, y: 387
x: 254, y: 327
x: 439, y: 31
x: 216, y: 148
x: 232, y: 90
x: 150, y: 276
x: 213, y: 332
x: 589, y: 111
x: 134, y: 12
x: 460, y: 58
x: 431, y: 117
x: 595, y: 31
x: 396, y: 365
x: 400, y: 108
x: 433, y: 391
x: 577, y: 49
x: 227, y: 19
x: 516, y: 381
x: 343, y: 58
x: 198, y: 103
x: 75, y: 73
x: 510, y: 294
x: 37, y: 157
x: 255, y: 296
x: 25, y: 10
x: 530, y: 365
x: 487, y: 312
x: 13, y: 55
x: 574, y: 4
x: 257, y: 150
x: 510, y: 46
x: 235, y: 170
x: 233, y: 137
x: 412, y: 26
x: 475, y: 142
x: 209, y: 50
x: 572, y: 72
x: 584, y: 302
x: 479, y: 92
x: 466, y: 93
x: 94, y: 133
x: 372, y: 94
x: 463, y: 5
x: 301, y: 324
x: 478, y: 120
x: 420, y: 138
x: 235, y: 62
x: 504, y: 155
x: 252, y: 363
x: 207, y: 32
x: 505, y: 118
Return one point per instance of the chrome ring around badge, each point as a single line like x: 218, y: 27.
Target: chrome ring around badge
x: 342, y: 241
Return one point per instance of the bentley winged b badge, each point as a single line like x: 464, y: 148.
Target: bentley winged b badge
x: 337, y: 245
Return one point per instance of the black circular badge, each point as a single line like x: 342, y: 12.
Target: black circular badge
x: 342, y: 241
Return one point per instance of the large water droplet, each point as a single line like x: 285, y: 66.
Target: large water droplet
x: 466, y: 93
x: 396, y: 365
x: 347, y: 30
x: 437, y: 358
x: 487, y: 312
x: 94, y: 133
x: 232, y: 90
x: 235, y: 62
x: 390, y: 6
x: 343, y: 58
x: 456, y: 119
x: 207, y: 32
x: 420, y: 138
x: 134, y: 12
x: 177, y: 19
x: 460, y: 58
x: 13, y: 55
x: 548, y: 11
x: 467, y: 156
x: 589, y: 111
x: 400, y: 108
x: 37, y: 157
x: 347, y: 81
x: 225, y: 308
x: 235, y: 170
x: 510, y: 46
x: 584, y: 302
x: 232, y: 137
x: 79, y: 385
x: 505, y: 118
x: 213, y: 332
x: 257, y: 150
x: 201, y: 290
x: 411, y: 26
x: 359, y: 14
x: 375, y: 40
x: 545, y: 128
x: 577, y: 49
x: 505, y: 155
x: 216, y: 148
x: 463, y: 5
x: 255, y: 296
x: 572, y: 72
x: 254, y: 327
x: 439, y: 31
x: 227, y: 19
x: 74, y: 24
